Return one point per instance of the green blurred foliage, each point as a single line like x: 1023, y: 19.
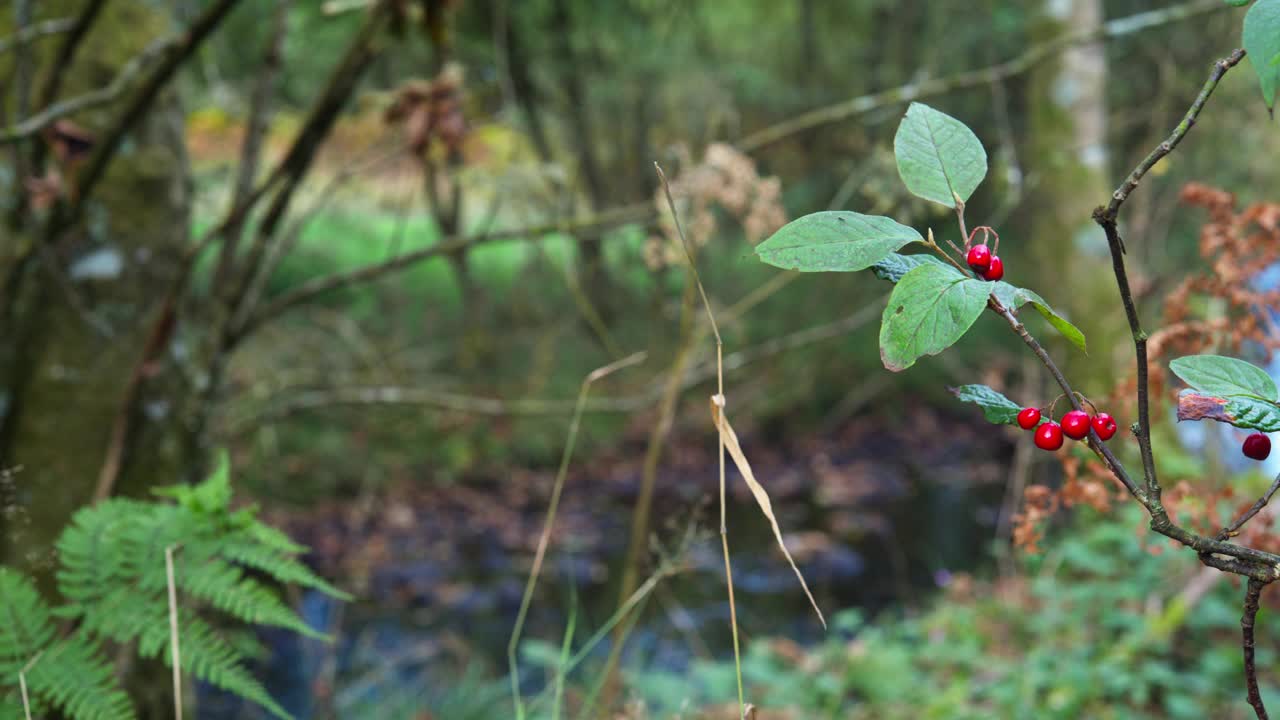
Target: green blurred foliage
x: 1098, y: 627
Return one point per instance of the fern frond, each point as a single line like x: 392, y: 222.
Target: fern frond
x: 11, y: 707
x: 73, y: 676
x: 280, y: 565
x: 26, y: 625
x: 69, y: 674
x: 209, y: 657
x: 112, y: 575
x: 92, y: 550
x: 224, y: 587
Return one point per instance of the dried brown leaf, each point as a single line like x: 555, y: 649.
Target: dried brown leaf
x: 730, y: 439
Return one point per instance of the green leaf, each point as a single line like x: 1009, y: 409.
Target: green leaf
x: 1062, y: 325
x: 930, y: 309
x: 1014, y: 297
x: 939, y: 158
x: 996, y: 407
x: 1242, y: 411
x: 1218, y: 375
x: 1262, y: 42
x: 1237, y: 3
x: 836, y: 241
x: 895, y: 266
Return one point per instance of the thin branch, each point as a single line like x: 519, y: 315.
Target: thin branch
x: 107, y: 145
x: 105, y: 95
x: 298, y: 159
x: 1095, y: 443
x: 310, y: 290
x: 1121, y: 194
x: 1251, y: 598
x: 864, y: 104
x: 1107, y: 219
x: 67, y: 52
x: 1234, y: 528
x: 22, y: 62
x: 34, y: 31
x: 392, y: 395
x: 351, y: 392
x: 288, y: 238
x: 255, y: 133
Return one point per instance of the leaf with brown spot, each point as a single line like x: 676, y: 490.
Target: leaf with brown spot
x: 1242, y: 411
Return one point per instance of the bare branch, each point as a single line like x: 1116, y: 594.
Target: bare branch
x: 297, y: 160
x: 34, y: 31
x: 316, y: 398
x: 255, y: 132
x: 1121, y: 194
x: 106, y: 147
x: 1234, y: 528
x: 1107, y: 219
x: 1250, y: 615
x: 67, y: 52
x: 308, y: 291
x: 864, y: 104
x: 105, y: 95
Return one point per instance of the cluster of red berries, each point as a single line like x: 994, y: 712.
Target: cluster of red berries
x: 1257, y: 446
x: 982, y: 259
x: 989, y: 267
x: 1074, y: 425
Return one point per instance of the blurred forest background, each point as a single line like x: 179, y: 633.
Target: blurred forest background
x: 373, y: 248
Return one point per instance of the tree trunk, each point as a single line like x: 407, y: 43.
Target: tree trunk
x: 82, y: 306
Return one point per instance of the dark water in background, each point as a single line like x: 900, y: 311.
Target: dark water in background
x: 875, y: 517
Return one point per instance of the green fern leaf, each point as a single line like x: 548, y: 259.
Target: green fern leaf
x: 69, y: 674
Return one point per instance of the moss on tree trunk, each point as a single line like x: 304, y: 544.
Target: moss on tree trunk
x: 83, y: 308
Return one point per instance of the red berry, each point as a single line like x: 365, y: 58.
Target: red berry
x: 1257, y: 446
x: 1049, y: 436
x: 1028, y: 418
x: 979, y: 258
x: 1075, y: 424
x: 1104, y: 425
x: 995, y: 270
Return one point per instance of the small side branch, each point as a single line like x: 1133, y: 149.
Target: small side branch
x: 1220, y: 68
x: 1246, y: 629
x: 122, y: 81
x: 1233, y: 528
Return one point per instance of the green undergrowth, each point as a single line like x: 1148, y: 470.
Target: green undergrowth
x: 1095, y: 627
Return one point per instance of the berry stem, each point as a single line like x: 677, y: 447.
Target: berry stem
x: 1095, y: 443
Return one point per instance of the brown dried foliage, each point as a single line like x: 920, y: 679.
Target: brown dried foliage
x: 725, y: 179
x: 431, y: 110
